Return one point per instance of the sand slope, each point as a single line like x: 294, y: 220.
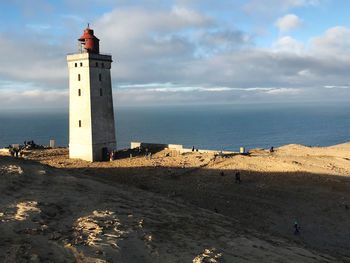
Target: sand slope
x: 74, y: 211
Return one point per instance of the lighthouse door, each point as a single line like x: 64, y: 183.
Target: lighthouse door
x: 104, y: 154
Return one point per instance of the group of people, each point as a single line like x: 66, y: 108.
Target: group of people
x: 15, y: 151
x: 193, y: 149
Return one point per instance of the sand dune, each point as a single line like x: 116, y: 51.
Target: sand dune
x: 177, y: 208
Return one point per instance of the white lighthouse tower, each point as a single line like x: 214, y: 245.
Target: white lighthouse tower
x: 91, y: 118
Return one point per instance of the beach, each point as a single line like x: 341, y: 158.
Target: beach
x: 177, y: 207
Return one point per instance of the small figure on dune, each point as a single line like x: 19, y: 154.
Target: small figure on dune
x: 150, y: 156
x: 192, y: 148
x: 271, y: 149
x: 146, y: 150
x: 238, y: 177
x: 296, y: 228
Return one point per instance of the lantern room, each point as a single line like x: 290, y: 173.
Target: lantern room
x: 88, y: 42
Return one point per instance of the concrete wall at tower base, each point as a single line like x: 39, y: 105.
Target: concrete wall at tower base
x: 91, y: 153
x: 176, y: 147
x: 155, y: 146
x: 80, y: 151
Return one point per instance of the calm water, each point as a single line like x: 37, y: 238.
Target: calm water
x: 205, y: 127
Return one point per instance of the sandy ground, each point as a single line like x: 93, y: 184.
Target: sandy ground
x: 177, y: 208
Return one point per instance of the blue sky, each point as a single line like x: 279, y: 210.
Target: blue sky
x: 180, y: 51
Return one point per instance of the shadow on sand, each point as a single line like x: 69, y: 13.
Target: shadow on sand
x: 267, y: 202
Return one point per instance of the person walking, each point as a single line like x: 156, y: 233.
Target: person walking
x: 238, y: 177
x: 296, y: 228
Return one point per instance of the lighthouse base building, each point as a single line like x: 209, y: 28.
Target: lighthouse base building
x: 91, y: 117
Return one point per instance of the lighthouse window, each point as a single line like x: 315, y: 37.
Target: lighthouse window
x: 78, y: 77
x: 81, y: 64
x: 100, y: 92
x: 100, y: 77
x: 76, y: 64
x: 96, y: 64
x: 79, y: 92
x: 79, y: 123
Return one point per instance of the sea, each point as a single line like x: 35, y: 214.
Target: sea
x: 216, y: 127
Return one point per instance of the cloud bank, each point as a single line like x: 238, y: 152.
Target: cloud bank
x: 179, y: 53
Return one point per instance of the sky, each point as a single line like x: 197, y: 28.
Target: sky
x: 179, y: 52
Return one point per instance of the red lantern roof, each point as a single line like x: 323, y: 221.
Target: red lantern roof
x: 91, y: 42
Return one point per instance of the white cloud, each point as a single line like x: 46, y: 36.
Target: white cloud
x: 169, y: 87
x: 336, y: 87
x: 289, y: 91
x: 188, y: 16
x: 136, y: 23
x: 334, y: 43
x: 288, y: 22
x: 198, y: 95
x: 38, y: 27
x: 305, y: 73
x: 288, y: 43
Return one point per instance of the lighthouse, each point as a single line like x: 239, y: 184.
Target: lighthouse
x: 91, y: 117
